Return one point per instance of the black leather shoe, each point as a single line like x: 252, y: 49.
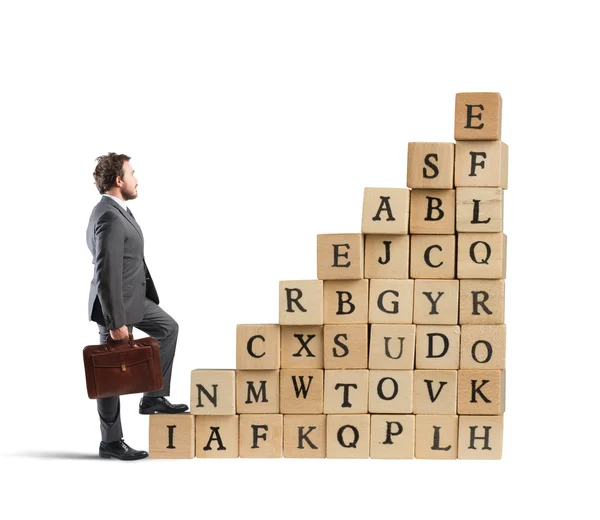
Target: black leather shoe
x: 150, y: 405
x: 120, y: 450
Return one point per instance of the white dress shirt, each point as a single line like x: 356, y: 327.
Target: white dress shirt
x: 121, y: 203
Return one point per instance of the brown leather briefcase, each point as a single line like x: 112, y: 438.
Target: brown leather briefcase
x: 122, y: 367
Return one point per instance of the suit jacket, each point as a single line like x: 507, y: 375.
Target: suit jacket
x: 121, y: 278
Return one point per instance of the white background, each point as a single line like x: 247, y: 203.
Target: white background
x: 253, y: 127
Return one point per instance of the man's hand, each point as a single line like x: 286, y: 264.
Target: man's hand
x: 118, y: 334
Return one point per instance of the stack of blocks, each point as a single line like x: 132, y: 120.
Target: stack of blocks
x: 397, y: 349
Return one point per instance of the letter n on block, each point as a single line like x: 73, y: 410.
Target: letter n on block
x: 301, y: 302
x: 261, y: 435
x: 217, y: 436
x: 480, y: 437
x: 212, y: 392
x: 304, y: 436
x: 172, y: 436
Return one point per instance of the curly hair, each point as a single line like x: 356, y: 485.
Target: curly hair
x: 107, y: 170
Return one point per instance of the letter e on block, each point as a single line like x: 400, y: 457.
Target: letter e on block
x: 340, y: 257
x: 478, y: 116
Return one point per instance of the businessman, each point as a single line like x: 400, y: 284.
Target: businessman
x: 123, y: 296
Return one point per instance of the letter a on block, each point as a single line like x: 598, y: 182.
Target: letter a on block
x: 385, y: 211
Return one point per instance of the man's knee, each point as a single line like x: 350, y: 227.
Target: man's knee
x: 173, y: 328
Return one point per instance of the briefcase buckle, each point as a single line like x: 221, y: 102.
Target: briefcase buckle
x: 123, y: 367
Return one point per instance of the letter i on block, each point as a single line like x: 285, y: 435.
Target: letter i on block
x: 301, y: 302
x: 212, y: 392
x: 172, y: 436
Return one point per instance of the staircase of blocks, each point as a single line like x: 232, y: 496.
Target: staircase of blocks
x: 397, y: 349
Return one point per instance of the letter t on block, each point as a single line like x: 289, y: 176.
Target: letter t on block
x: 301, y: 302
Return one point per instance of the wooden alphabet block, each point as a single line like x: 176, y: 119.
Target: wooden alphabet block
x: 348, y: 436
x: 391, y: 301
x: 258, y: 347
x: 481, y: 255
x: 340, y: 257
x: 346, y: 391
x: 483, y: 346
x: 481, y: 392
x: 436, y: 302
x: 433, y: 256
x: 430, y: 166
x: 435, y: 392
x: 171, y: 436
x: 432, y: 212
x: 217, y: 436
x: 482, y: 164
x: 261, y: 435
x: 301, y: 302
x: 385, y: 211
x: 345, y: 301
x: 305, y: 436
x: 478, y: 116
x: 386, y: 256
x: 392, y: 347
x: 301, y: 391
x: 390, y: 391
x: 392, y: 436
x: 257, y: 391
x: 212, y: 392
x: 346, y: 346
x: 436, y: 436
x: 480, y: 437
x: 302, y: 346
x: 437, y: 347
x: 481, y: 302
x: 479, y: 210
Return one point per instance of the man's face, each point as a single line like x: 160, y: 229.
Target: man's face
x: 129, y: 182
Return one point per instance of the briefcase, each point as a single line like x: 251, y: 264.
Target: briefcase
x: 122, y: 367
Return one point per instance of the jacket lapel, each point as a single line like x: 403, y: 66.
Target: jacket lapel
x: 124, y: 213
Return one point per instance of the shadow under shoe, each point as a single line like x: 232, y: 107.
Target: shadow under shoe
x: 150, y: 405
x: 120, y: 450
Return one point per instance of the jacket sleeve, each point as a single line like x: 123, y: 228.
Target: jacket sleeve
x: 109, y: 234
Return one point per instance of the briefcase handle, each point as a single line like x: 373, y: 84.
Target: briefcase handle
x: 110, y: 342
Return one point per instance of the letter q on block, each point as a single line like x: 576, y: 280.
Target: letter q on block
x: 301, y: 302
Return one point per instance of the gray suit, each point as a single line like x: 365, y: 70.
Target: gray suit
x: 122, y: 293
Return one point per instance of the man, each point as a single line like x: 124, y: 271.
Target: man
x: 123, y: 296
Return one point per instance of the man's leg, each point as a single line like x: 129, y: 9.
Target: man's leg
x: 109, y: 408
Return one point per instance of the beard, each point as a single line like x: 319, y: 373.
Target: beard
x: 128, y: 194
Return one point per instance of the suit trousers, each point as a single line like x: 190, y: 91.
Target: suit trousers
x: 158, y: 324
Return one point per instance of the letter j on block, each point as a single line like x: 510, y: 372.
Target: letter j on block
x: 301, y: 302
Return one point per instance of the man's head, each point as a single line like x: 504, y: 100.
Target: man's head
x: 115, y: 176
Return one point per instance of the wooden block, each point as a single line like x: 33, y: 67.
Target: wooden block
x: 481, y: 255
x: 437, y: 347
x: 340, y: 257
x: 480, y: 437
x: 348, y: 436
x: 346, y: 346
x: 436, y: 436
x: 481, y: 392
x: 212, y: 392
x: 302, y: 346
x: 479, y: 210
x: 390, y: 391
x: 346, y: 391
x: 171, y: 436
x: 483, y: 346
x: 392, y: 436
x: 301, y: 302
x: 481, y: 302
x: 433, y: 256
x: 257, y: 391
x: 385, y: 211
x: 392, y: 347
x: 386, y: 256
x: 430, y: 166
x: 432, y: 212
x: 345, y: 301
x: 301, y: 391
x: 482, y: 164
x: 261, y: 435
x: 478, y: 116
x: 435, y: 392
x: 391, y: 301
x: 436, y: 302
x: 217, y: 436
x: 258, y: 347
x: 305, y: 436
